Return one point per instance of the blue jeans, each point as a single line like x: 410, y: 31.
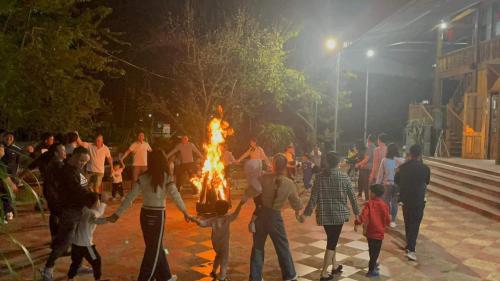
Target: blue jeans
x: 269, y: 222
x: 391, y: 195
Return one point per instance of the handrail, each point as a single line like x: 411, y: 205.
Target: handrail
x: 427, y: 112
x: 459, y: 118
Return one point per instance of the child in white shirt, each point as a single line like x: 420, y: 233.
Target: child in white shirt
x: 83, y: 244
x: 220, y: 225
x: 117, y: 185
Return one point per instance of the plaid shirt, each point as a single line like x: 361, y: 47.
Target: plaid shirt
x: 330, y: 194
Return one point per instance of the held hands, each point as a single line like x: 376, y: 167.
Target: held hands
x: 188, y: 217
x: 300, y: 217
x: 113, y: 218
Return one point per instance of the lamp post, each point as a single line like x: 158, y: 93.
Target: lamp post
x: 369, y: 54
x: 331, y: 44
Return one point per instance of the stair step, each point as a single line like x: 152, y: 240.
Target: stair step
x: 493, y: 190
x: 465, y: 202
x: 467, y: 192
x: 475, y: 172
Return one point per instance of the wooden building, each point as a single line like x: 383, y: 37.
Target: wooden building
x: 467, y: 81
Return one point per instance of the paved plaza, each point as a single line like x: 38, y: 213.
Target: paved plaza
x: 455, y: 244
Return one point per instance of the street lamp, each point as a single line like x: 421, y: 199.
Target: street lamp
x: 369, y: 54
x: 331, y: 44
x: 443, y: 25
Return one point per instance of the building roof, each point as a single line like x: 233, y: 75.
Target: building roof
x: 405, y: 41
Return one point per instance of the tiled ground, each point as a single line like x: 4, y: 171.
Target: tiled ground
x: 455, y: 244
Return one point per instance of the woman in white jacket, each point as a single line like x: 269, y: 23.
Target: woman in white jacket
x: 154, y: 185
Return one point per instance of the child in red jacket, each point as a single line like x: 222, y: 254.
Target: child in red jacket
x: 374, y: 218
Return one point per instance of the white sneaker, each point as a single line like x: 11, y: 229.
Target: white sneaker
x: 393, y: 224
x: 85, y: 270
x: 46, y: 274
x: 411, y: 256
x: 251, y: 227
x: 9, y: 216
x: 173, y: 278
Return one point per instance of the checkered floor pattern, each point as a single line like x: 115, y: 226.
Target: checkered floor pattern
x: 307, y: 243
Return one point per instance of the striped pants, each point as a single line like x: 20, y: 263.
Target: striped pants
x: 90, y: 254
x: 154, y: 263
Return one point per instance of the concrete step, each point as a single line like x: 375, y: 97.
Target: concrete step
x: 490, y: 189
x: 465, y: 202
x: 474, y: 173
x: 476, y: 195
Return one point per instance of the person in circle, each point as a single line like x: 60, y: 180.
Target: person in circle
x: 331, y: 190
x: 277, y: 189
x: 154, y: 185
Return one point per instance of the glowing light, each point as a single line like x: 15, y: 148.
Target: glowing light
x: 331, y: 44
x: 443, y: 25
x: 370, y: 53
x: 212, y: 176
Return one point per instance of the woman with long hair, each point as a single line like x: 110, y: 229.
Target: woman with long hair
x: 330, y: 193
x: 385, y: 177
x: 277, y: 189
x: 154, y: 185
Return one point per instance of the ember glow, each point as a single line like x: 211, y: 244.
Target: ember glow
x: 212, y: 183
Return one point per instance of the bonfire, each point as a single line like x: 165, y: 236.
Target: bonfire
x: 212, y: 183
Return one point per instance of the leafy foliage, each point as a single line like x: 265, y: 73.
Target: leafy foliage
x: 275, y: 137
x: 237, y: 63
x: 50, y: 55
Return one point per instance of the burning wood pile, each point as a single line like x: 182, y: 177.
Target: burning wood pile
x: 212, y: 183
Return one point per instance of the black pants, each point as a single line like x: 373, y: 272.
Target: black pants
x: 154, y: 263
x: 412, y: 217
x: 364, y: 183
x: 374, y: 247
x: 332, y: 236
x: 90, y: 254
x: 117, y: 188
x: 7, y: 207
x: 183, y: 173
x: 65, y: 233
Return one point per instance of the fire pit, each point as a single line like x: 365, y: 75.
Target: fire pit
x: 212, y: 184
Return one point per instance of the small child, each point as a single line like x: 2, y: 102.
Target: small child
x: 220, y: 235
x: 307, y: 171
x: 117, y: 185
x: 374, y: 218
x: 82, y: 244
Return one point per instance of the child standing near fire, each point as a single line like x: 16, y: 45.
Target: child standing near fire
x: 220, y: 225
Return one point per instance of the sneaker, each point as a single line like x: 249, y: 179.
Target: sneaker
x: 393, y: 224
x: 251, y: 227
x: 173, y: 278
x: 9, y: 216
x: 85, y: 270
x: 373, y: 273
x: 46, y: 274
x: 411, y: 256
x: 338, y: 270
x: 330, y: 277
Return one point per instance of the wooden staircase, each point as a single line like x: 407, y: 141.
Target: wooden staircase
x: 454, y: 144
x: 472, y: 188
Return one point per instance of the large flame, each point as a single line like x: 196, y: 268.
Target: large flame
x: 212, y: 176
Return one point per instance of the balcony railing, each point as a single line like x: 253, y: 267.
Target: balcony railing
x: 463, y: 58
x: 456, y: 59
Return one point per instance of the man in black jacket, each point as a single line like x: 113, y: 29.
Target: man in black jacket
x: 72, y: 188
x: 412, y: 178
